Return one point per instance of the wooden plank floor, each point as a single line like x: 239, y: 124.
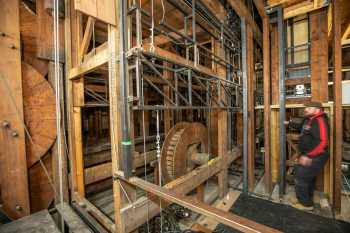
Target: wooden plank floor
x: 104, y: 202
x: 35, y: 223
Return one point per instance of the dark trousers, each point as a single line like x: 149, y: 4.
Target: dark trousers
x: 305, y: 178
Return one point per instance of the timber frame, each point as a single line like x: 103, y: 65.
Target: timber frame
x: 125, y: 53
x: 324, y: 31
x: 133, y: 61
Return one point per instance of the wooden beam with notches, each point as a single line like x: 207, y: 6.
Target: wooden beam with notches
x: 227, y: 218
x: 136, y: 214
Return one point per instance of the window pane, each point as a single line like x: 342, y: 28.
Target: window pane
x: 301, y: 30
x: 301, y: 54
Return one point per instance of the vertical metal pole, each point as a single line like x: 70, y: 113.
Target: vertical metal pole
x: 126, y: 143
x: 138, y: 80
x: 282, y: 131
x: 189, y: 78
x: 245, y: 104
x: 186, y: 33
x: 138, y: 26
x: 195, y: 48
x: 176, y: 88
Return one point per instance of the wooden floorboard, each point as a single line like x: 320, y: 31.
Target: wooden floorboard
x: 74, y: 222
x: 35, y: 223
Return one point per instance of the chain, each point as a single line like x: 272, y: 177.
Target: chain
x: 159, y: 169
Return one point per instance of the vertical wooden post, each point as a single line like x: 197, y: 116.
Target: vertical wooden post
x: 114, y: 101
x: 319, y: 66
x: 267, y: 102
x: 167, y: 113
x: 251, y: 110
x: 275, y: 158
x: 75, y: 97
x: 274, y: 129
x: 14, y: 185
x: 319, y: 55
x: 78, y: 103
x: 337, y: 92
x: 221, y: 123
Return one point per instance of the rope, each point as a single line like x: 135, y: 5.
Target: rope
x: 58, y: 101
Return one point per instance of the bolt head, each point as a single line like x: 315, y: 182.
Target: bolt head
x: 14, y: 134
x: 5, y: 124
x: 82, y: 204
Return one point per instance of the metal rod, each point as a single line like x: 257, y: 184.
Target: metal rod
x: 157, y: 89
x: 189, y: 86
x: 126, y: 143
x: 195, y: 48
x: 173, y: 107
x: 282, y: 109
x: 245, y: 105
x: 149, y: 64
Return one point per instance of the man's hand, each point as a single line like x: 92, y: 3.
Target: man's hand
x: 305, y: 161
x: 286, y: 122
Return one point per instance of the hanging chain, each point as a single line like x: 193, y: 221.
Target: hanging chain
x: 159, y: 169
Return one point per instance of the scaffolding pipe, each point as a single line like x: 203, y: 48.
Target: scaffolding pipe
x: 245, y: 105
x: 282, y: 109
x: 126, y: 142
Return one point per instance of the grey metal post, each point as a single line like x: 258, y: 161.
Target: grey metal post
x: 126, y: 142
x: 282, y: 130
x: 245, y: 104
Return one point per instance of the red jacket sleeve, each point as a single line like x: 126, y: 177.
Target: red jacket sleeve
x: 323, y: 138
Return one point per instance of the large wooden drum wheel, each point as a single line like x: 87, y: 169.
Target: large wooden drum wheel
x: 39, y: 113
x: 182, y: 142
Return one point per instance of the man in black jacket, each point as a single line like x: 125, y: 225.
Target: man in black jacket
x: 313, y: 149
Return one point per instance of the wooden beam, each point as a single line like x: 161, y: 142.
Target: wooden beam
x: 115, y: 108
x: 133, y: 218
x: 104, y: 10
x: 90, y: 64
x: 319, y: 55
x: 78, y: 155
x: 337, y: 90
x: 267, y: 103
x: 302, y: 8
x: 13, y: 162
x: 177, y: 59
x: 260, y: 6
x: 319, y: 66
x: 251, y: 110
x: 227, y: 218
x: 87, y: 37
x: 104, y: 171
x: 284, y: 3
x: 222, y: 126
x: 95, y: 212
x: 345, y: 42
x: 74, y: 222
x: 346, y: 33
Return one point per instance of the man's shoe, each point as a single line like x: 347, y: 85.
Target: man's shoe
x: 302, y: 207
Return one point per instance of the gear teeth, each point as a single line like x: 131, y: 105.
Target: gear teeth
x: 170, y: 152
